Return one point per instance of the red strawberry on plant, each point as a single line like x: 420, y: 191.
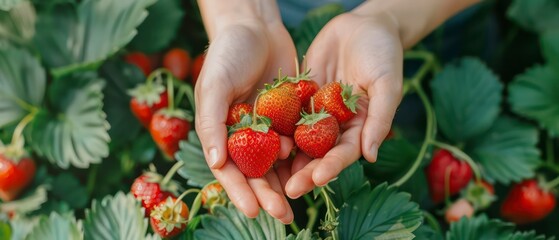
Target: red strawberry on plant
x: 282, y: 106
x: 457, y: 210
x: 317, y: 133
x: 177, y: 60
x: 527, y: 202
x: 15, y: 174
x: 168, y: 127
x: 169, y: 217
x: 150, y: 189
x: 141, y: 61
x: 146, y: 100
x: 443, y: 163
x: 213, y: 194
x: 337, y: 99
x: 253, y: 147
x: 236, y: 113
x: 197, y: 67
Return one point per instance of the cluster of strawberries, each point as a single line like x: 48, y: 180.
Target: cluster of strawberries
x: 294, y: 107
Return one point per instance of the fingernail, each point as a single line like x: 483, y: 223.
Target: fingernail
x: 373, y: 153
x: 213, y: 157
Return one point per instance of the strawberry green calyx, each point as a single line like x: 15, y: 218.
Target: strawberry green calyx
x: 169, y: 215
x: 311, y: 119
x: 350, y: 99
x: 479, y: 196
x: 148, y: 94
x: 258, y: 123
x: 176, y: 113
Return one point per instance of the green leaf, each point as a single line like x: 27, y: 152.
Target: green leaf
x: 550, y: 49
x: 21, y: 227
x: 230, y: 223
x: 73, y: 38
x: 143, y: 149
x: 160, y: 27
x: 304, y: 234
x: 539, y: 15
x: 22, y: 84
x: 195, y: 169
x: 120, y: 77
x: 395, y: 157
x: 18, y: 25
x: 507, y: 152
x: 530, y: 235
x: 349, y: 181
x: 466, y: 97
x: 56, y: 227
x: 426, y: 232
x: 381, y: 213
x: 312, y: 24
x: 533, y: 94
x: 5, y: 230
x: 67, y: 188
x: 118, y: 217
x: 479, y: 227
x: 7, y: 5
x: 28, y: 203
x: 75, y: 132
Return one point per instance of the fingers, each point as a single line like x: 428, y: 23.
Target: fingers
x: 286, y: 144
x: 238, y: 189
x: 270, y: 197
x: 385, y: 96
x: 338, y: 158
x: 301, y: 182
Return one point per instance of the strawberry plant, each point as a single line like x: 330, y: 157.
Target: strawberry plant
x: 97, y: 137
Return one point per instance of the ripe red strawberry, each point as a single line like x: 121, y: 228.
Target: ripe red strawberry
x: 236, y: 112
x: 147, y: 188
x: 317, y: 133
x: 178, y: 62
x: 282, y: 106
x: 460, y: 173
x: 168, y: 127
x: 168, y: 218
x: 337, y: 99
x: 303, y: 86
x: 527, y: 202
x: 254, y: 149
x: 146, y: 100
x: 212, y: 195
x: 141, y: 61
x: 197, y: 67
x: 460, y: 208
x: 15, y: 175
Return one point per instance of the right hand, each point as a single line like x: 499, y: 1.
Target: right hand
x: 242, y: 56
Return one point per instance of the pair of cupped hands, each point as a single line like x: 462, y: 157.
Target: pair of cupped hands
x: 363, y: 51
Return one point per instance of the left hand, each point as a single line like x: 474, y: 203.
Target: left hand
x: 366, y: 52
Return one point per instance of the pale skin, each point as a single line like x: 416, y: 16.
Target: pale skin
x: 363, y: 47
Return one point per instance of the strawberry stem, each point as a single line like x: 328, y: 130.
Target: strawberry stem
x: 552, y: 184
x: 179, y: 199
x: 331, y: 213
x: 170, y: 92
x: 447, y: 186
x: 297, y: 68
x: 461, y: 155
x: 15, y: 149
x: 171, y: 172
x: 312, y: 105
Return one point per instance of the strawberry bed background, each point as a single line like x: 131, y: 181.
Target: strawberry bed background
x: 65, y: 76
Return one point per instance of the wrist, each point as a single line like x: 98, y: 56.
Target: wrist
x: 218, y: 15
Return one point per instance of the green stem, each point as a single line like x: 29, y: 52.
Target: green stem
x: 171, y: 172
x: 554, y: 183
x: 461, y: 155
x: 550, y: 152
x: 551, y: 166
x: 179, y: 199
x: 447, y: 186
x: 180, y: 95
x: 330, y: 212
x: 17, y: 136
x: 91, y: 178
x: 429, y: 134
x: 312, y: 211
x: 170, y: 92
x: 297, y: 68
x: 189, y: 92
x: 430, y: 219
x: 294, y: 227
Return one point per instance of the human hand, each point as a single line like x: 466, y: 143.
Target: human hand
x: 366, y: 52
x: 243, y: 55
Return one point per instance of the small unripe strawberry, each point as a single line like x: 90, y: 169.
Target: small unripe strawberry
x: 169, y: 217
x: 460, y: 208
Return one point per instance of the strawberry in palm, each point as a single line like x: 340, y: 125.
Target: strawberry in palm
x: 282, y: 106
x: 338, y: 100
x: 302, y: 85
x: 253, y: 146
x: 317, y: 133
x: 146, y: 100
x: 236, y: 113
